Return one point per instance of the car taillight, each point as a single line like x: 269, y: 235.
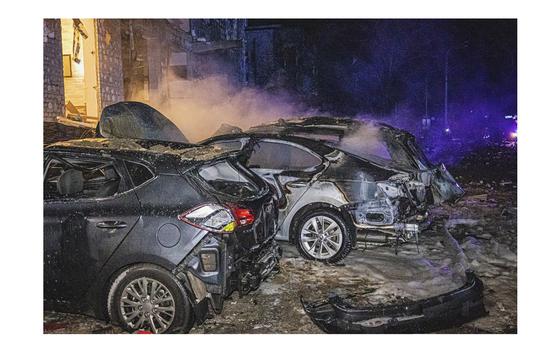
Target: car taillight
x: 243, y: 216
x: 212, y: 217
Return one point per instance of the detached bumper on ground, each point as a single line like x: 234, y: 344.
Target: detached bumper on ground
x: 449, y: 309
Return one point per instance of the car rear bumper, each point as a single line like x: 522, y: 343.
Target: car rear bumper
x: 223, y: 263
x: 449, y: 309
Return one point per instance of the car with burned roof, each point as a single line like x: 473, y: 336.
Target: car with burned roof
x: 149, y: 231
x: 341, y: 180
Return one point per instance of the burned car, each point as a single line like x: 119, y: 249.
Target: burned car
x: 152, y: 234
x: 337, y: 186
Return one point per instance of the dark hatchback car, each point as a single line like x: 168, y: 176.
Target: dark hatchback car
x: 338, y: 184
x: 152, y: 234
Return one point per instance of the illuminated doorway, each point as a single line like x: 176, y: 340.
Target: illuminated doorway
x: 80, y: 66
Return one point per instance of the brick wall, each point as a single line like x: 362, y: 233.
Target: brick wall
x: 53, y: 80
x: 110, y: 61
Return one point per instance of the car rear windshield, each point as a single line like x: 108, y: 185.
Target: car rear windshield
x: 226, y: 179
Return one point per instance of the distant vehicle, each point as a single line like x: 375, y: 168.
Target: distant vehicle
x: 151, y: 233
x: 337, y: 186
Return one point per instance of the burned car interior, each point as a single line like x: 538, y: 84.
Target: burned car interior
x: 151, y: 232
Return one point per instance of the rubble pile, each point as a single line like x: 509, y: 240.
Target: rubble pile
x: 488, y: 167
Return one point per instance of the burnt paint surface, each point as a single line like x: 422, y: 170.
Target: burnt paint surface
x: 421, y: 183
x: 342, y: 181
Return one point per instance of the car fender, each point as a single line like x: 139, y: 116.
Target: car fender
x: 319, y: 192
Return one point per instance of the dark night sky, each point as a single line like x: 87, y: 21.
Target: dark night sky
x: 376, y: 66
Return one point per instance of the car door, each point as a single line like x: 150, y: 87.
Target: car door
x: 52, y: 232
x: 89, y: 210
x: 288, y: 166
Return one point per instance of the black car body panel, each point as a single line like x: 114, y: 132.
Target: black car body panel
x: 456, y: 307
x: 115, y: 202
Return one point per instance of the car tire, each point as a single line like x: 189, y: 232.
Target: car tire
x: 149, y: 298
x: 334, y: 240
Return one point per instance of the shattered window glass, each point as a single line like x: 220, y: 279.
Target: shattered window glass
x: 281, y: 156
x: 224, y: 178
x: 71, y: 178
x: 138, y: 173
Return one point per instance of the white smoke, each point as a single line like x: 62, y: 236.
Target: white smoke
x: 200, y: 107
x: 366, y: 142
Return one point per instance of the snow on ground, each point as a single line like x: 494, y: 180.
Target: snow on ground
x: 480, y: 233
x: 477, y: 226
x: 490, y: 245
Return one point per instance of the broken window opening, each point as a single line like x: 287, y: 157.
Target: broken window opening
x: 80, y: 179
x: 139, y: 174
x: 224, y: 178
x: 282, y: 156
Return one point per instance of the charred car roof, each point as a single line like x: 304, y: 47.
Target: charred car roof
x: 316, y: 146
x: 156, y: 152
x: 327, y: 125
x: 336, y: 131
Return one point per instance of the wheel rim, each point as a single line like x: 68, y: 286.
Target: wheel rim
x: 321, y: 237
x: 146, y: 304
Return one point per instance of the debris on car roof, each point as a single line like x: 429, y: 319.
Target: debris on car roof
x: 185, y: 151
x: 227, y: 129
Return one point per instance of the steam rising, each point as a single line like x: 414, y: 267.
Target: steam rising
x: 200, y: 107
x: 366, y: 142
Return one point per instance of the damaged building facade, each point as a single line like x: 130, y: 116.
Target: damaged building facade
x: 92, y: 63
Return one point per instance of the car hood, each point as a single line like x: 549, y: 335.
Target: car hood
x: 136, y: 120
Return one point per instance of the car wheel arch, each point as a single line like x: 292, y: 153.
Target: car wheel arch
x: 116, y: 278
x: 110, y: 276
x: 316, y: 206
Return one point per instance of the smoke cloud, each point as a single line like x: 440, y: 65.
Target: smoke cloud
x: 366, y: 142
x: 200, y: 107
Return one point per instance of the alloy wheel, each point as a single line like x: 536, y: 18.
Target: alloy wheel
x: 146, y: 304
x: 321, y: 237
